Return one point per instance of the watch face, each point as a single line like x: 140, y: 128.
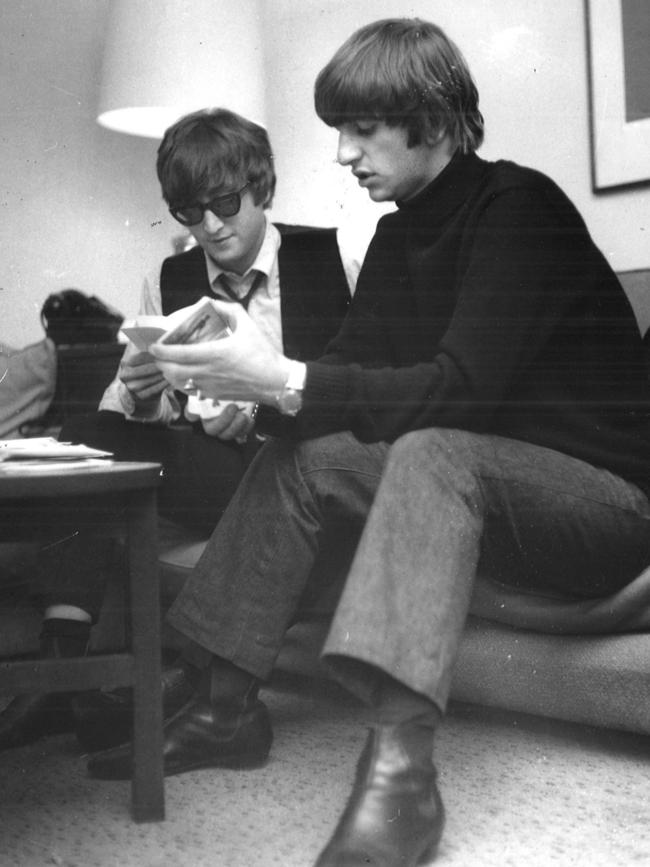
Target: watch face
x: 290, y: 402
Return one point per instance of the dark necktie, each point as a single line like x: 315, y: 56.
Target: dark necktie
x: 230, y: 292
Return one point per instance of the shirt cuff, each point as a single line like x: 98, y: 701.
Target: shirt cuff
x: 297, y: 376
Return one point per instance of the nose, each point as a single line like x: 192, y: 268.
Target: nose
x: 210, y: 222
x: 348, y: 150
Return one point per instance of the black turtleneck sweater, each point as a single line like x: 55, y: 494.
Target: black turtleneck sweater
x: 484, y: 305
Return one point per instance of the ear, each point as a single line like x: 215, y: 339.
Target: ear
x: 434, y: 135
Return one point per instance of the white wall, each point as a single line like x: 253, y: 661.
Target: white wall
x: 80, y: 206
x: 529, y: 61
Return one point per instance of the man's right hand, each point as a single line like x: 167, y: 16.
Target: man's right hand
x: 140, y: 374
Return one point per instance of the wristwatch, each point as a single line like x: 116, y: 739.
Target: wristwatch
x: 289, y: 401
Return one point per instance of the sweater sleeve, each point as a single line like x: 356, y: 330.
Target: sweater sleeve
x: 514, y: 285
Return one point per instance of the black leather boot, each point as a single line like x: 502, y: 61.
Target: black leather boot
x: 27, y: 718
x: 104, y: 719
x: 201, y: 735
x: 395, y: 816
x: 222, y: 725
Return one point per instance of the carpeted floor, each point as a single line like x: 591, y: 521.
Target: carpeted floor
x: 519, y: 792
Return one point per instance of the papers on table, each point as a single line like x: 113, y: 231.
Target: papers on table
x: 47, y: 453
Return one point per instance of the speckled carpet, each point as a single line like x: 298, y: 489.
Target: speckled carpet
x: 519, y: 792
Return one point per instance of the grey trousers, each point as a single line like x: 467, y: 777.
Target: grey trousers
x: 429, y: 511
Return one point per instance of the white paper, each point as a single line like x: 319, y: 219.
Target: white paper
x: 46, y: 449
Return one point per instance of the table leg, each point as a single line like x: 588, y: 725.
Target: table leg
x: 148, y: 796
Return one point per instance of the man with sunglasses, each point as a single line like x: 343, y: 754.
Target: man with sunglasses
x: 216, y: 174
x: 238, y: 256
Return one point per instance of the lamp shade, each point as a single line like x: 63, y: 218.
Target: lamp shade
x: 164, y: 58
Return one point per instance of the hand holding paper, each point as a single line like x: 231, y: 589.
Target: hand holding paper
x: 205, y: 323
x: 138, y: 369
x: 188, y: 324
x: 241, y: 366
x: 141, y: 375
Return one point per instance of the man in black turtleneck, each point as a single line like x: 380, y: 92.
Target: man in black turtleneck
x: 489, y: 371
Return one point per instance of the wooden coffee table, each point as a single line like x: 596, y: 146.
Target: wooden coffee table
x: 115, y: 499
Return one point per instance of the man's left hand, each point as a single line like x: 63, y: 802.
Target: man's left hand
x: 242, y: 366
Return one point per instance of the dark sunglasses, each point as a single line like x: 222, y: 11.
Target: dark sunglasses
x: 221, y: 206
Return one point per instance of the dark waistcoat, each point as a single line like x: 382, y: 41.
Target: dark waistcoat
x: 313, y: 288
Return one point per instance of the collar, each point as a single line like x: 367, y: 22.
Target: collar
x: 449, y: 189
x: 264, y: 262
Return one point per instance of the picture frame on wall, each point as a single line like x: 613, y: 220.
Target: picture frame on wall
x: 618, y: 34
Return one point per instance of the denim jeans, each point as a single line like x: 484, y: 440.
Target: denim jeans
x: 299, y: 507
x: 452, y: 503
x: 436, y: 506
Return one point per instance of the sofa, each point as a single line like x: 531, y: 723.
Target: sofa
x: 586, y: 662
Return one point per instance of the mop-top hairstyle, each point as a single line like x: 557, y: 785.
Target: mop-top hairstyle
x: 214, y: 149
x: 405, y: 72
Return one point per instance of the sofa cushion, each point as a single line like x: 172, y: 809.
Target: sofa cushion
x: 628, y: 610
x: 594, y: 680
x: 597, y: 680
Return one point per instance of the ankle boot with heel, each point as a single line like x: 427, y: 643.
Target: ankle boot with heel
x: 394, y: 816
